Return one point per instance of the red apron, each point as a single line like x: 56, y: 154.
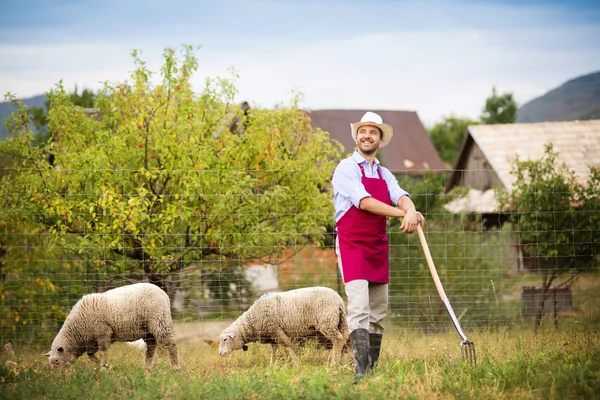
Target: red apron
x: 362, y: 237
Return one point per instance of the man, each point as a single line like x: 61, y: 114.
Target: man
x: 363, y: 194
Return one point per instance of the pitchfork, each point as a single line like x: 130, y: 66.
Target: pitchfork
x: 467, y: 348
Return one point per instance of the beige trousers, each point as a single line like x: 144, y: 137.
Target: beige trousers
x: 367, y: 301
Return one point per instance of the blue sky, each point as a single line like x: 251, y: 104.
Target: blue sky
x: 437, y: 58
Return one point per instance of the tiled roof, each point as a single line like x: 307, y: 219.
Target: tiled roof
x: 577, y: 142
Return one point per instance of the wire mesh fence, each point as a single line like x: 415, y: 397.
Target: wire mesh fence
x: 214, y: 263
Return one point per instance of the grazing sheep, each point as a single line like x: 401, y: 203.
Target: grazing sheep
x: 127, y: 313
x: 277, y: 318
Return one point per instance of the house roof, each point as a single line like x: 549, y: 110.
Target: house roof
x: 411, y: 149
x: 576, y: 142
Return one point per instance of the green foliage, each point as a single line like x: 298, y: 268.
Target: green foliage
x: 159, y: 178
x: 39, y: 115
x: 425, y: 191
x: 157, y: 182
x: 556, y: 217
x: 499, y: 109
x: 447, y: 136
x: 36, y: 290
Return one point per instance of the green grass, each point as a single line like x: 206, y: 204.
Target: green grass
x: 512, y: 364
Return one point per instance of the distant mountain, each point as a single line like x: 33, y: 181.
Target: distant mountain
x: 578, y: 98
x: 6, y: 108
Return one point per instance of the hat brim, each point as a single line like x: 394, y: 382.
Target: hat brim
x: 387, y: 130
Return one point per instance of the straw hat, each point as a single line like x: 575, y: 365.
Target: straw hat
x: 370, y: 118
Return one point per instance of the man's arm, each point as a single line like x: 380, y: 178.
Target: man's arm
x: 377, y: 207
x: 412, y: 217
x: 406, y: 210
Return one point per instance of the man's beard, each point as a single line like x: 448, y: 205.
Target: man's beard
x: 367, y: 152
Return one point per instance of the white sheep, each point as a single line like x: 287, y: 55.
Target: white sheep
x: 277, y: 318
x: 127, y: 313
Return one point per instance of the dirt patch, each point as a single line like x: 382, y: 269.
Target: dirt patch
x: 203, y: 331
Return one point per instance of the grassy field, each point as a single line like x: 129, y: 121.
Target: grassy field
x: 512, y: 363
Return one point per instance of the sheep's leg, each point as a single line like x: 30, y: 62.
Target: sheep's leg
x: 165, y: 337
x: 150, y: 350
x: 92, y: 356
x: 273, y: 353
x: 337, y: 339
x: 172, y: 351
x: 283, y: 339
x: 168, y: 341
x: 103, y: 345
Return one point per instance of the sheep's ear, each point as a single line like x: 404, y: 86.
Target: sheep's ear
x: 244, y: 347
x: 231, y: 334
x: 47, y: 354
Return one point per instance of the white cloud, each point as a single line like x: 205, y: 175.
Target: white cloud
x: 435, y: 73
x: 439, y: 69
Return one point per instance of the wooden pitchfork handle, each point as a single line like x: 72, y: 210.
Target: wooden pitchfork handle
x: 467, y: 348
x: 438, y: 283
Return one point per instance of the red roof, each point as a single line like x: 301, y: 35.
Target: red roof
x: 411, y: 149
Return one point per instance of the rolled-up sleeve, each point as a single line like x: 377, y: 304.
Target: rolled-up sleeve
x: 347, y: 183
x: 348, y: 187
x: 396, y: 192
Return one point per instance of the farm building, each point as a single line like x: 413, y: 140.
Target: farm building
x: 487, y: 153
x: 486, y: 158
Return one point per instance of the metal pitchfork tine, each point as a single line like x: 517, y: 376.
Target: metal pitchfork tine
x: 467, y: 348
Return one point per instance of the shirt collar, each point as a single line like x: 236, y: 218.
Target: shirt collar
x: 360, y: 159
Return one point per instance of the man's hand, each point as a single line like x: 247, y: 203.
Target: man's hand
x: 411, y: 220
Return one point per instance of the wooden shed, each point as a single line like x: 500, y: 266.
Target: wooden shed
x: 487, y: 154
x: 486, y: 158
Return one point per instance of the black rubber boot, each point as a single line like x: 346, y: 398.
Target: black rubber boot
x: 360, y: 349
x: 374, y: 348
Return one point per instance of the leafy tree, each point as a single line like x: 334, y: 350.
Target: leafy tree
x: 499, y: 109
x: 158, y: 182
x: 39, y: 115
x: 556, y: 218
x: 447, y: 136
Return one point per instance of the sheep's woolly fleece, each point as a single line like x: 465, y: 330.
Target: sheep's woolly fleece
x: 277, y: 318
x: 127, y: 313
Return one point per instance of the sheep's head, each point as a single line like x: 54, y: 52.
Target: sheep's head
x: 230, y: 341
x: 59, y: 356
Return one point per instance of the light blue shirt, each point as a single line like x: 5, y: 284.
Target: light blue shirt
x: 348, y: 188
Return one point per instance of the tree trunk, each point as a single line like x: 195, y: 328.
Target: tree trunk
x: 2, y: 254
x: 546, y: 282
x: 158, y: 279
x: 540, y: 311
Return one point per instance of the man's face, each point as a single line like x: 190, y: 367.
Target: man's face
x: 368, y: 138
